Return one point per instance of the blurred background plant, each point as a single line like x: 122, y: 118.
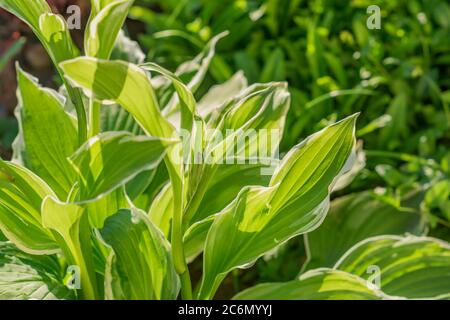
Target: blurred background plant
x: 398, y: 77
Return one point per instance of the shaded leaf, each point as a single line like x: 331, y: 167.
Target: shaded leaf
x: 140, y: 265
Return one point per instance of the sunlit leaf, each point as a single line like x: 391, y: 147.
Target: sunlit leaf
x: 320, y: 284
x: 411, y: 267
x: 262, y: 218
x: 46, y: 147
x: 21, y: 196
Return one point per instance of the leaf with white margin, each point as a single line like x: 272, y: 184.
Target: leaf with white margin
x: 295, y: 202
x: 185, y: 97
x: 411, y: 267
x: 46, y: 147
x: 30, y: 277
x: 139, y: 266
x: 221, y: 93
x: 124, y: 83
x: 127, y: 49
x: 69, y: 225
x: 51, y: 29
x: 21, y: 196
x: 111, y: 159
x: 356, y: 217
x: 104, y: 26
x: 318, y: 284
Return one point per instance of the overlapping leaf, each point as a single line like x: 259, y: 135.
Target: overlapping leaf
x: 411, y: 267
x: 51, y: 29
x: 262, y: 218
x: 21, y: 196
x: 46, y: 147
x: 107, y: 18
x: 140, y: 265
x: 69, y: 225
x: 113, y: 158
x: 320, y: 284
x: 357, y: 217
x: 123, y: 83
x: 26, y: 277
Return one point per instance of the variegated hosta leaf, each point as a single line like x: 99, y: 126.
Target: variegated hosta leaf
x: 262, y: 218
x: 250, y: 126
x: 357, y: 217
x: 124, y: 83
x: 140, y: 265
x: 100, y: 209
x: 411, y: 267
x: 229, y: 179
x: 127, y: 50
x: 113, y: 158
x: 129, y: 86
x: 185, y: 97
x: 46, y: 147
x: 27, y: 277
x: 256, y: 120
x: 107, y: 17
x: 116, y: 118
x: 21, y: 196
x: 69, y: 225
x: 220, y: 94
x: 319, y: 284
x: 51, y: 29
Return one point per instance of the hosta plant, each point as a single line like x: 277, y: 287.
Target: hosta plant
x: 121, y: 179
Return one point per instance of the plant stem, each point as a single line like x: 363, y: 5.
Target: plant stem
x: 186, y: 286
x: 199, y: 193
x: 179, y: 259
x: 94, y: 118
x: 75, y: 96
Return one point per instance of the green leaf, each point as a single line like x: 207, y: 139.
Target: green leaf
x: 51, y: 29
x: 27, y: 277
x: 220, y: 94
x: 46, y: 147
x: 102, y: 208
x: 357, y: 217
x: 124, y: 83
x: 438, y: 194
x: 21, y: 196
x: 295, y: 202
x: 274, y: 68
x: 140, y: 265
x: 70, y: 227
x: 254, y: 122
x: 103, y: 27
x: 111, y: 159
x: 116, y: 118
x: 11, y: 52
x: 320, y: 284
x: 127, y: 50
x: 193, y: 72
x: 185, y: 97
x: 411, y: 267
x: 229, y: 179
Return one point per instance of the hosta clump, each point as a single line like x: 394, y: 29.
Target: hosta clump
x: 122, y: 178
